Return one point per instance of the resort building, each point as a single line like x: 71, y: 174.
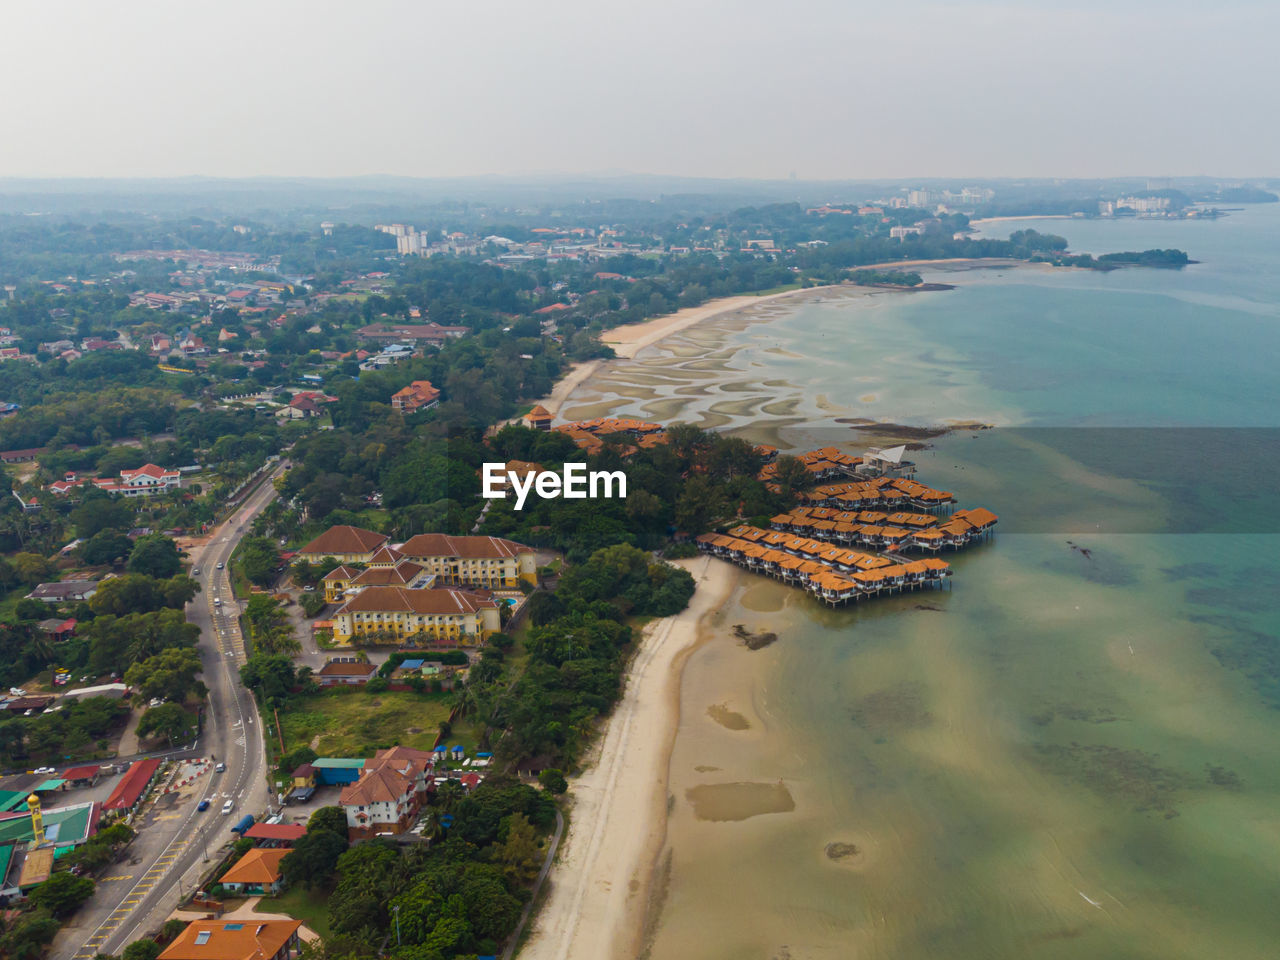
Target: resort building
x: 438, y: 617
x: 346, y: 581
x: 419, y: 395
x: 878, y: 493
x: 145, y: 481
x: 236, y: 940
x: 833, y: 573
x: 389, y: 794
x: 490, y: 562
x: 539, y: 418
x: 344, y: 543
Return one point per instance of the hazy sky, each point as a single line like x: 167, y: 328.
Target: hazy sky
x: 824, y: 88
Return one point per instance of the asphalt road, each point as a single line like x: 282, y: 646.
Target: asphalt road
x: 173, y: 846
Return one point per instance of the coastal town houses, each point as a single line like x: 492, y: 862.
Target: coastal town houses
x: 429, y: 334
x: 257, y: 872
x: 146, y: 481
x: 344, y: 543
x: 435, y: 617
x: 61, y: 591
x: 419, y: 395
x: 228, y: 939
x: 389, y: 794
x: 490, y: 562
x: 339, y: 673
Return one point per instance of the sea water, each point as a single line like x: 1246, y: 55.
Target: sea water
x: 1073, y: 750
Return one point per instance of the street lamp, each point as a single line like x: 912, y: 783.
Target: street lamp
x: 395, y: 907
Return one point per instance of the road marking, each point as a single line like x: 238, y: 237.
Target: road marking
x: 123, y: 876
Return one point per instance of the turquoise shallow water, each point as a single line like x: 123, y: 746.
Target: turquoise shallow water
x: 1073, y: 752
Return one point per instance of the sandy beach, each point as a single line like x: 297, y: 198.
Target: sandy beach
x: 600, y: 883
x: 629, y: 340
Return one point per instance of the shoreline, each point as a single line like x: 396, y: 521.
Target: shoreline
x: 628, y: 340
x: 599, y: 888
x: 1027, y: 216
x: 602, y: 888
x: 631, y: 338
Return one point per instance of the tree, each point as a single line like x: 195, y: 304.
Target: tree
x: 170, y: 674
x: 62, y: 893
x: 98, y: 512
x: 106, y: 546
x: 700, y: 501
x: 790, y: 474
x: 141, y: 950
x: 269, y: 676
x: 168, y: 720
x: 553, y: 780
x: 156, y: 556
x: 24, y: 937
x: 258, y: 559
x: 295, y: 758
x: 32, y: 568
x: 313, y: 602
x: 28, y: 609
x: 179, y: 590
x: 314, y: 857
x: 520, y: 853
x: 269, y: 625
x: 116, y: 642
x: 332, y: 819
x: 132, y: 593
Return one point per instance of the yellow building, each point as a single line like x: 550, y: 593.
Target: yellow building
x: 490, y: 562
x: 345, y: 581
x: 345, y: 544
x: 421, y: 617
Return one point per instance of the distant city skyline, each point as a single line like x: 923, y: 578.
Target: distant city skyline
x: 820, y: 90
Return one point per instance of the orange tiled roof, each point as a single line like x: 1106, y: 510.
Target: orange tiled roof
x: 259, y: 865
x: 344, y: 539
x: 231, y: 940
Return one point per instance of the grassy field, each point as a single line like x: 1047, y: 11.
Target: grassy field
x: 352, y: 723
x: 301, y: 904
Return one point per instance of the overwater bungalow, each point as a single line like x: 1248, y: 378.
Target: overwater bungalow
x: 834, y: 573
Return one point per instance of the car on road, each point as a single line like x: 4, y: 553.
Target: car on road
x: 220, y: 767
x: 217, y: 601
x: 45, y: 770
x: 228, y: 807
x: 202, y: 805
x: 221, y: 566
x: 195, y: 571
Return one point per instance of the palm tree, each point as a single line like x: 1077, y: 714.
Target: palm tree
x: 434, y: 830
x: 447, y: 796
